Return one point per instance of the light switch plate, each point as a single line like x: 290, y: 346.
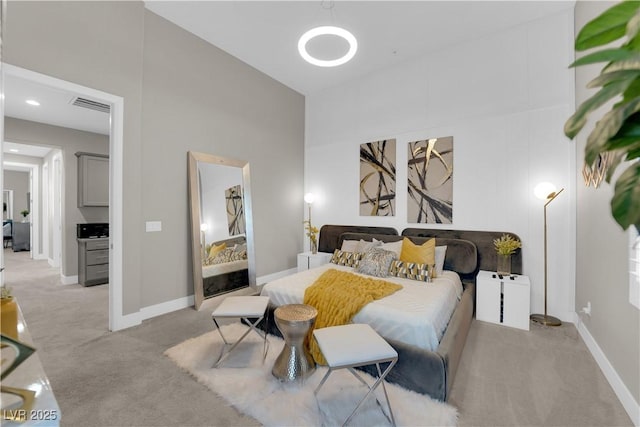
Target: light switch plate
x: 153, y: 226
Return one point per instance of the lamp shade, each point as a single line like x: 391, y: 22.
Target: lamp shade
x: 309, y: 198
x: 544, y: 190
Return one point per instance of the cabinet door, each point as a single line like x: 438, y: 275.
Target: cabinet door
x: 516, y: 305
x: 93, y: 180
x: 316, y: 260
x: 488, y: 300
x: 303, y: 262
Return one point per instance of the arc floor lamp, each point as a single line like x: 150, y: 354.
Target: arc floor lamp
x: 546, y: 191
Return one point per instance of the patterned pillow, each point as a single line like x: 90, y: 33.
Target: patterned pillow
x: 376, y: 262
x: 410, y: 270
x: 348, y: 259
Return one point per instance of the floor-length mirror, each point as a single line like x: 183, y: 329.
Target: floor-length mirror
x: 221, y: 225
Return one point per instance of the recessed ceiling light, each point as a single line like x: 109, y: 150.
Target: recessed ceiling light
x: 33, y: 102
x: 323, y: 31
x: 14, y: 150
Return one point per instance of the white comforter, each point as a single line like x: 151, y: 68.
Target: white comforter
x: 225, y: 267
x: 417, y: 315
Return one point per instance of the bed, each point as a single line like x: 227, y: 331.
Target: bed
x: 227, y: 270
x: 424, y: 365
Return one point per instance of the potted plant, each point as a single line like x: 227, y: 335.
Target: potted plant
x: 505, y: 246
x: 617, y: 134
x: 24, y: 214
x: 8, y: 313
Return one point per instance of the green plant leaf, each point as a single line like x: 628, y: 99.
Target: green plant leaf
x: 577, y: 121
x: 607, y: 78
x: 633, y: 26
x: 606, y: 55
x: 615, y: 161
x: 633, y: 91
x: 609, y: 26
x: 625, y: 64
x: 607, y: 127
x: 625, y: 204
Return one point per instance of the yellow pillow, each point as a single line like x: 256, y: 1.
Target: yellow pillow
x: 421, y: 254
x: 216, y: 249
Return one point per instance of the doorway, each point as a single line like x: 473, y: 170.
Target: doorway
x: 116, y: 318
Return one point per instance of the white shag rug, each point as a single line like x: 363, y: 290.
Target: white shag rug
x: 247, y: 384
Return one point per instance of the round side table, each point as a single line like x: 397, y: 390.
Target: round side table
x: 294, y: 321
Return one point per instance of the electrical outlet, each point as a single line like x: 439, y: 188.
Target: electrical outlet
x: 587, y: 310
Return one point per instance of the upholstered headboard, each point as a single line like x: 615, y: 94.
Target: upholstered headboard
x: 330, y: 234
x: 461, y: 255
x: 487, y: 257
x: 236, y: 240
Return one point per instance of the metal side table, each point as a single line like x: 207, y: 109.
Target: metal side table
x: 294, y: 363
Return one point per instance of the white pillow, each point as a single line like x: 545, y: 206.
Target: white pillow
x: 349, y: 246
x: 393, y: 247
x: 365, y: 246
x: 441, y: 251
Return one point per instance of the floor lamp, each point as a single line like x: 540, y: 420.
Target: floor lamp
x: 546, y: 191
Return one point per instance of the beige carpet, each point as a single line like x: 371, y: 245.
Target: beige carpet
x: 247, y: 384
x: 507, y: 377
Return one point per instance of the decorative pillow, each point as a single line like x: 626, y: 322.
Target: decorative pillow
x: 241, y: 247
x: 364, y: 246
x: 348, y: 259
x: 216, y: 249
x: 441, y: 251
x: 376, y: 262
x: 393, y: 247
x: 420, y: 254
x: 223, y: 256
x: 409, y: 270
x: 349, y: 246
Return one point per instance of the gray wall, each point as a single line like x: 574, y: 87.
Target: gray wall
x: 70, y: 141
x: 180, y: 94
x: 602, y: 251
x: 19, y: 183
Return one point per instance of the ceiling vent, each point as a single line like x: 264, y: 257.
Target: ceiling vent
x: 90, y: 104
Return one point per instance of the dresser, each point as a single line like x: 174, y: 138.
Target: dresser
x: 93, y: 261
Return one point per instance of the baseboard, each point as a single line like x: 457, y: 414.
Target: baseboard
x: 270, y: 277
x: 619, y: 388
x: 166, y: 307
x: 40, y: 256
x: 133, y: 319
x: 69, y: 280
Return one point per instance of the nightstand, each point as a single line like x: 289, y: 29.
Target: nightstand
x: 307, y: 260
x: 503, y: 299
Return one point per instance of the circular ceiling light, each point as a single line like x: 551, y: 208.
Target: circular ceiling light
x: 323, y: 31
x: 32, y: 102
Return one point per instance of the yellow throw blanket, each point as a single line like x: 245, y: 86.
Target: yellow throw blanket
x: 340, y: 295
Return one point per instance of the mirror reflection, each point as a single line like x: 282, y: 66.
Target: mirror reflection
x: 221, y: 225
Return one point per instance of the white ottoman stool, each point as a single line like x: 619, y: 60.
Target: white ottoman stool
x: 243, y: 307
x: 353, y: 345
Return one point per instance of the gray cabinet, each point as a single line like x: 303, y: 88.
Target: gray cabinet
x: 21, y: 240
x: 93, y: 179
x: 93, y: 261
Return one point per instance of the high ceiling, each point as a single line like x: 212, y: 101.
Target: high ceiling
x: 264, y: 34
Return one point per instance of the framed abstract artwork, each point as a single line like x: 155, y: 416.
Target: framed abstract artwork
x: 430, y: 181
x: 378, y: 178
x: 235, y: 210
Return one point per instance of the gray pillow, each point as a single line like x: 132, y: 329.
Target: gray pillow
x: 376, y: 262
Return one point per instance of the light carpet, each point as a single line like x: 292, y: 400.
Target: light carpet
x: 247, y: 384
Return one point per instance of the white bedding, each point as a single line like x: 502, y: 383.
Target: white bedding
x: 416, y: 315
x: 227, y: 267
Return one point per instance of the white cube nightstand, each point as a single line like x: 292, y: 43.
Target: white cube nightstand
x: 307, y: 260
x: 503, y: 300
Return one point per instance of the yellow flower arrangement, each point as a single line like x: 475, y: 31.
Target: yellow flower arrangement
x: 312, y: 232
x: 506, y: 245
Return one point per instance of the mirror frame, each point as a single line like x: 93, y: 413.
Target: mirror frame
x: 195, y: 203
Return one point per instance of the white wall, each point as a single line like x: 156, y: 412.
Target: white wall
x: 504, y: 99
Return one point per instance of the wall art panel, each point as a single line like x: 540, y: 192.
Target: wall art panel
x: 430, y: 181
x: 378, y: 178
